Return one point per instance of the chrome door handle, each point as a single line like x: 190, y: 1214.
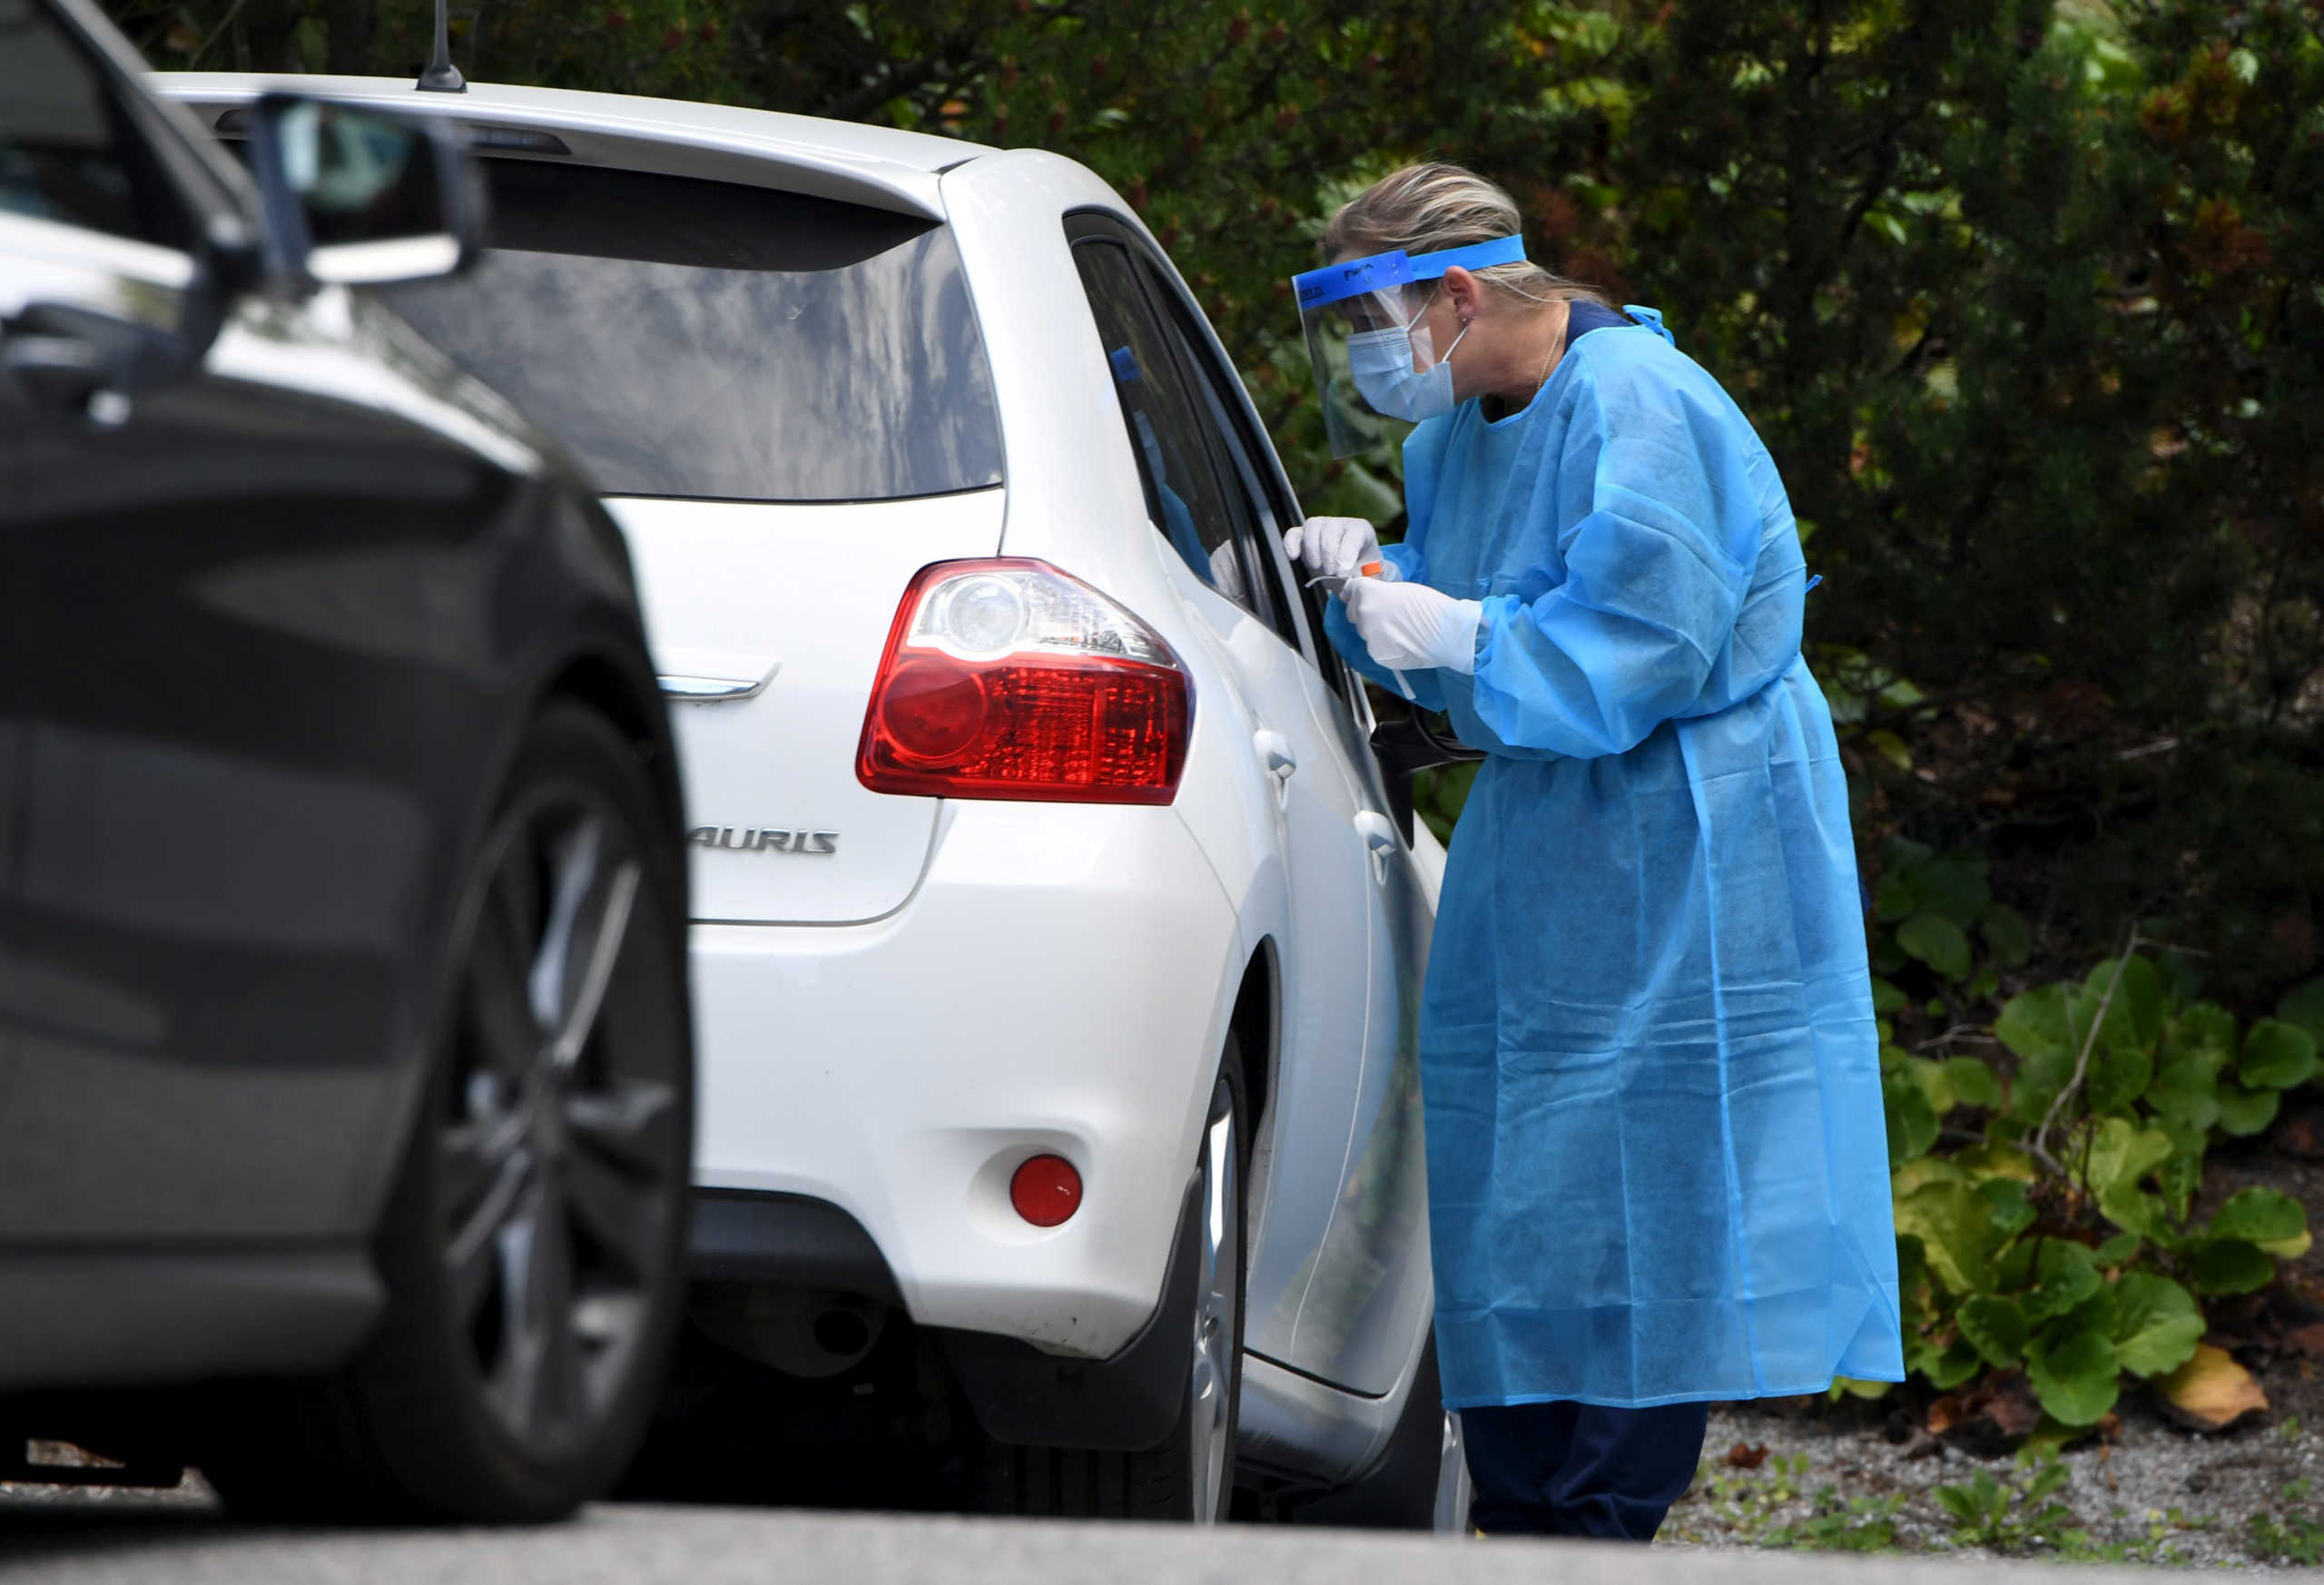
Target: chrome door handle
x: 711, y: 690
x: 1274, y: 752
x: 1379, y: 840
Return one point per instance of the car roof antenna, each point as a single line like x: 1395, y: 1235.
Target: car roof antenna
x: 441, y: 76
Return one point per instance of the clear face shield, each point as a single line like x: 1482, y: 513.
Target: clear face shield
x: 1369, y: 341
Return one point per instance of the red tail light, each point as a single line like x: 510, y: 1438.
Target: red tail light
x: 1010, y: 679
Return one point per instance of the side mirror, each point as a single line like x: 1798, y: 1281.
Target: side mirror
x: 360, y: 196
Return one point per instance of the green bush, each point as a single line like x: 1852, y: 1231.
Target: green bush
x: 2060, y: 1239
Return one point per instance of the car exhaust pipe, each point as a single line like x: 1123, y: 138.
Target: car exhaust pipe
x: 809, y: 1332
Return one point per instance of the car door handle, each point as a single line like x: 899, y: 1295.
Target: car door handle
x: 1275, y: 753
x: 709, y: 690
x: 1379, y: 836
x: 710, y: 676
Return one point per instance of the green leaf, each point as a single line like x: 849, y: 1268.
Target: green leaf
x: 2074, y: 1376
x: 2204, y: 1033
x: 2065, y: 1273
x: 2115, y: 1251
x: 2303, y: 1005
x: 2122, y: 1154
x: 2134, y: 1014
x: 2276, y: 1055
x: 2098, y: 1313
x: 1973, y: 1081
x: 1996, y: 1327
x: 1926, y: 1169
x: 2186, y: 1089
x: 1950, y: 1221
x: 2244, y: 1112
x: 1962, y: 1502
x: 1944, y: 1368
x: 2012, y: 1213
x: 1912, y: 1121
x: 2118, y: 1076
x: 2181, y: 1177
x: 1954, y: 889
x: 2032, y: 1025
x: 1937, y: 941
x: 2158, y: 1323
x: 1912, y: 1282
x: 1896, y: 897
x: 1933, y: 1081
x: 2262, y: 1216
x: 1885, y: 998
x: 1890, y: 747
x: 1995, y: 1159
x: 2121, y: 1157
x: 2007, y: 935
x: 2232, y: 1265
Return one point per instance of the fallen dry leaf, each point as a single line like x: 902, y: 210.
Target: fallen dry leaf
x: 1944, y: 1414
x: 2307, y: 1340
x: 1742, y: 1456
x: 2210, y: 1391
x: 2012, y: 1406
x: 2301, y: 1134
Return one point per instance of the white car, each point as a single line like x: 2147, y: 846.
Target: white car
x: 1057, y: 941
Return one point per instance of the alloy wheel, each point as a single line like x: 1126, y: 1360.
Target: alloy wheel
x: 558, y: 1168
x: 1218, y: 1301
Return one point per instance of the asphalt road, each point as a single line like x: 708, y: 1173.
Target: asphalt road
x: 117, y: 1543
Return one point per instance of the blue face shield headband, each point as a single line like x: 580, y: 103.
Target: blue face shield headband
x: 1371, y: 352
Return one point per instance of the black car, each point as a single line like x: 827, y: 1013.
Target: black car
x: 346, y: 1074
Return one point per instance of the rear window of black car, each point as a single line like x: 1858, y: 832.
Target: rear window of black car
x: 712, y: 341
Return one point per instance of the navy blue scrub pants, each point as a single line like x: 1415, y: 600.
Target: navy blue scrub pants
x: 1577, y: 1469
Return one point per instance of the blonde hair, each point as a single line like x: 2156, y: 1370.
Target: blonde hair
x: 1427, y: 208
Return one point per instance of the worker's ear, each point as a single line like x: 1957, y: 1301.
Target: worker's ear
x: 1464, y: 291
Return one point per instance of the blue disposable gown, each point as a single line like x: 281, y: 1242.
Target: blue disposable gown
x: 1657, y: 1163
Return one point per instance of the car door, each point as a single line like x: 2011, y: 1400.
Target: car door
x: 222, y: 590
x: 1324, y: 821
x: 1362, y: 1286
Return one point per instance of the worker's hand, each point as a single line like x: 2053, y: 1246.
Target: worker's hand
x: 1333, y: 547
x: 1409, y: 625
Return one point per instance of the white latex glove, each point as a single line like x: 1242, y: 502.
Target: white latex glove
x: 1409, y: 625
x: 1334, y: 547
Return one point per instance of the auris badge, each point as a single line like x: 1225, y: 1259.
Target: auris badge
x: 739, y: 839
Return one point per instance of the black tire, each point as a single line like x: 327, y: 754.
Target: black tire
x: 1401, y: 1491
x: 1176, y: 1480
x: 499, y: 1387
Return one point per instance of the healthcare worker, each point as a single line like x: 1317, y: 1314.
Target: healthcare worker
x: 1658, y: 1168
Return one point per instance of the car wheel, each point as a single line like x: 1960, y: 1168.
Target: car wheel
x: 1422, y: 1480
x: 1191, y: 1474
x: 532, y: 1249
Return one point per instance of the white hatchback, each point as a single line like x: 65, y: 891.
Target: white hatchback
x: 1059, y: 933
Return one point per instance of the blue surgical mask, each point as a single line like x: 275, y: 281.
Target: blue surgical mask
x: 1380, y: 364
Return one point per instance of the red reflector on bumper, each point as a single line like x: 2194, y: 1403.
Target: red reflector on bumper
x: 1046, y: 1190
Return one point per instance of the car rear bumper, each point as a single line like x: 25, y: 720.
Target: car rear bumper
x: 1059, y: 982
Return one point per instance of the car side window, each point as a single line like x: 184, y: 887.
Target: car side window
x: 1184, y: 494
x: 67, y: 152
x: 1220, y: 390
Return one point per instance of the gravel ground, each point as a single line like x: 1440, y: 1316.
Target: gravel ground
x: 2154, y: 1491
x: 2157, y: 1492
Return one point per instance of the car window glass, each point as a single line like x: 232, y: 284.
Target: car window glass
x: 689, y: 338
x: 65, y: 154
x: 1221, y: 395
x: 1182, y: 493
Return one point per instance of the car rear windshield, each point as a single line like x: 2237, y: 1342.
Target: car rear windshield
x: 708, y: 340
